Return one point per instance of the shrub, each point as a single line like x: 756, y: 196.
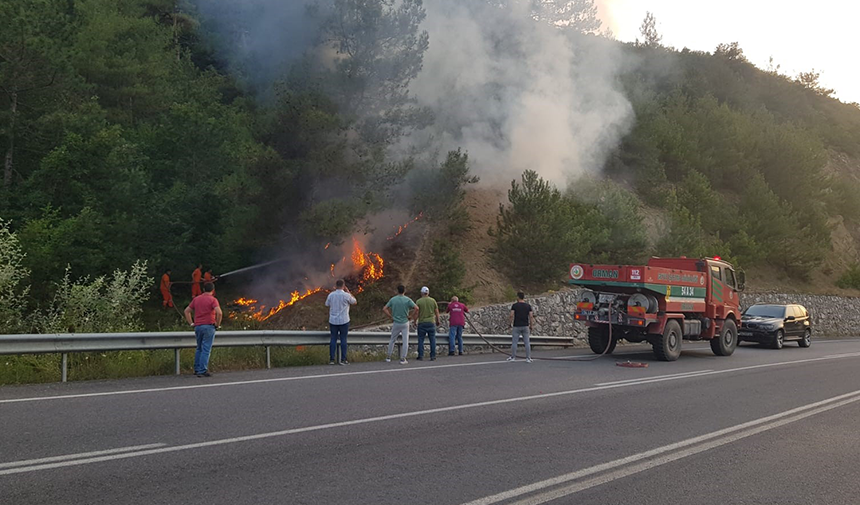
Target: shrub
x: 100, y: 305
x: 13, y: 294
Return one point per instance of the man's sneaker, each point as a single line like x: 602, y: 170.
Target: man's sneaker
x: 451, y: 354
x: 528, y: 360
x: 433, y: 358
x: 511, y: 358
x: 403, y: 362
x: 461, y: 353
x: 419, y: 358
x: 344, y: 362
x: 204, y: 374
x: 331, y: 362
x: 388, y: 360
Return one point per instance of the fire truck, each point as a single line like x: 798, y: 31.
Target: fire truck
x: 663, y: 302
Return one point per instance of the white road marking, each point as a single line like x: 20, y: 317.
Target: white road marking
x: 292, y: 431
x: 663, y: 455
x: 79, y: 455
x: 682, y: 374
x: 372, y: 372
x: 242, y: 383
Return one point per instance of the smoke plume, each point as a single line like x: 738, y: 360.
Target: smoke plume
x: 518, y: 94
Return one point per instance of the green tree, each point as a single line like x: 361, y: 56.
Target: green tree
x: 648, y: 29
x: 541, y: 232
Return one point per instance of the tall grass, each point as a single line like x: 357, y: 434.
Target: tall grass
x: 41, y: 368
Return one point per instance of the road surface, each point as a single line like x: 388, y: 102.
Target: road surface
x: 761, y: 426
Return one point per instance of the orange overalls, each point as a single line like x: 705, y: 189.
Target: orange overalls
x: 195, y: 283
x: 165, y: 291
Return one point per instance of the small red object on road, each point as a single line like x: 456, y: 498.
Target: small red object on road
x: 631, y: 364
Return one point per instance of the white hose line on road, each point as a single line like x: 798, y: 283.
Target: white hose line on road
x: 662, y: 455
x: 293, y: 431
x: 79, y: 455
x: 674, y: 375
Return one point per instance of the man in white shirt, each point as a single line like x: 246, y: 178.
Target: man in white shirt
x: 338, y: 302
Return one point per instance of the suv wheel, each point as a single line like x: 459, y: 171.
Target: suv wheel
x: 806, y: 341
x: 778, y: 340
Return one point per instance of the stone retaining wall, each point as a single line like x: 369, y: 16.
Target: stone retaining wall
x: 831, y: 315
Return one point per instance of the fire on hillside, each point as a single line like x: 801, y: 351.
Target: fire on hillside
x: 362, y: 267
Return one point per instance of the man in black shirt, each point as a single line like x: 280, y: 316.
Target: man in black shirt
x: 522, y: 320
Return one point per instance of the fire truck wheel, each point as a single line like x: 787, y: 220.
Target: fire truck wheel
x: 668, y: 347
x: 726, y: 343
x: 778, y: 340
x: 598, y: 339
x: 806, y: 341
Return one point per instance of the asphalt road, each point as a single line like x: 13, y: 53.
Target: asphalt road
x: 759, y: 427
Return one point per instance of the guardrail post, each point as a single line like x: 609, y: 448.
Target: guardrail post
x: 176, y: 361
x: 268, y: 357
x: 65, y: 373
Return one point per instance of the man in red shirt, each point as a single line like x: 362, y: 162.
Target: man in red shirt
x: 207, y: 316
x: 456, y: 323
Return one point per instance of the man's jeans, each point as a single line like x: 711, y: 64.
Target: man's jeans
x: 424, y: 330
x: 205, y: 334
x: 520, y: 331
x: 338, y: 331
x: 455, y: 332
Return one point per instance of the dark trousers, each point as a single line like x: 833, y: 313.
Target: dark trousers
x: 338, y: 331
x: 426, y: 330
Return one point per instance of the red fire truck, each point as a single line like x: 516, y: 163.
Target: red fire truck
x: 662, y: 303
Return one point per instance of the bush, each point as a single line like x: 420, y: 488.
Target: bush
x: 850, y: 279
x: 100, y: 305
x: 448, y: 272
x: 13, y: 294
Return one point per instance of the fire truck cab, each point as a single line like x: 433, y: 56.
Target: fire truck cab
x: 663, y: 302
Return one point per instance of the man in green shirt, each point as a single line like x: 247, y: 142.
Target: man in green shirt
x: 426, y: 320
x: 399, y: 308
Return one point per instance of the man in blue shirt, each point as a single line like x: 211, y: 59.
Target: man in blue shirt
x: 338, y: 302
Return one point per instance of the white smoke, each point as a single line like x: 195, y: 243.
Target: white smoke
x: 518, y: 94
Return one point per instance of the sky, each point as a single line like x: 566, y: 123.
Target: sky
x: 799, y: 36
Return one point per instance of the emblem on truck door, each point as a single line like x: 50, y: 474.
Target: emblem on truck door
x: 576, y: 272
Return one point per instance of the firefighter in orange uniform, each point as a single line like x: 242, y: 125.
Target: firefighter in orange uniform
x: 207, y: 277
x: 196, y: 277
x: 165, y: 290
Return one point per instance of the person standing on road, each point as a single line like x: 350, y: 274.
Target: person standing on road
x: 456, y: 322
x: 207, y: 317
x: 338, y: 303
x: 426, y: 320
x: 399, y: 308
x: 522, y: 321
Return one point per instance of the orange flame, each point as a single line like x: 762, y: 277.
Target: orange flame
x: 402, y: 227
x: 369, y: 265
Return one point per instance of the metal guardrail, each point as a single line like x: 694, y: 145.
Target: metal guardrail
x: 65, y: 343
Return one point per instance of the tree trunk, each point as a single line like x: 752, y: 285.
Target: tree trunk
x: 10, y: 152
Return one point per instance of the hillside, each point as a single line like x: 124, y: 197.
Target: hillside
x: 234, y: 134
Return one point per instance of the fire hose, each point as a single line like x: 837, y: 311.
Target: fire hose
x: 573, y: 358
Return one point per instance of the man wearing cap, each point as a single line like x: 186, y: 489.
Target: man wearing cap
x: 427, y: 320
